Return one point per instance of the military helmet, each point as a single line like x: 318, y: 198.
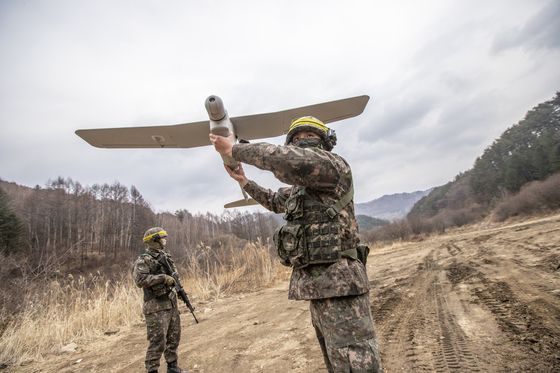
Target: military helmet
x: 154, y: 234
x: 314, y: 125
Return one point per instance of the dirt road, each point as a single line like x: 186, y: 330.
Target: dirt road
x: 482, y: 299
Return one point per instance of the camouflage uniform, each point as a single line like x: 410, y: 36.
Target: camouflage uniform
x: 338, y: 292
x: 160, y: 308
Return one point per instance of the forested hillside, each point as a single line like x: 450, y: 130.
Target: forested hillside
x: 67, y: 226
x: 366, y: 222
x: 526, y: 152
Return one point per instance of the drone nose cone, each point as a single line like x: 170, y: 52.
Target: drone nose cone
x: 215, y: 108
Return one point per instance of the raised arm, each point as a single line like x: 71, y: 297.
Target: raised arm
x: 273, y: 201
x: 309, y: 167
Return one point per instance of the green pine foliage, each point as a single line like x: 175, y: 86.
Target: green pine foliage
x: 10, y: 226
x: 367, y: 222
x: 525, y: 152
x: 430, y: 205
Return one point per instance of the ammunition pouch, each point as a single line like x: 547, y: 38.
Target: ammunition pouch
x: 290, y: 244
x: 324, y: 242
x: 160, y: 291
x: 363, y: 252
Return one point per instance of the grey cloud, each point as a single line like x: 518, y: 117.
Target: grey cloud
x: 541, y: 31
x: 396, y: 116
x: 461, y: 123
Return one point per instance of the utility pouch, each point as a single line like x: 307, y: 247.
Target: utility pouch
x: 324, y: 242
x: 159, y: 290
x: 290, y: 244
x: 294, y: 207
x: 363, y: 252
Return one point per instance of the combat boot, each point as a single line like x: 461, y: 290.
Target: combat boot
x: 173, y: 368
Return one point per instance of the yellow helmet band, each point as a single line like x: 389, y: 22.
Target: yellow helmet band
x: 161, y: 233
x: 309, y: 121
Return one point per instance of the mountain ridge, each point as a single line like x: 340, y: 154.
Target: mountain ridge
x: 390, y: 206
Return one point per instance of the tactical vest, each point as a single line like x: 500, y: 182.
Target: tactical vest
x: 313, y: 232
x: 160, y: 291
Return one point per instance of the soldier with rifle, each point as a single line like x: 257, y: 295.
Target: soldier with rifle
x: 155, y: 272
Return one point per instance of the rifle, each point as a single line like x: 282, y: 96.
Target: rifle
x: 178, y: 287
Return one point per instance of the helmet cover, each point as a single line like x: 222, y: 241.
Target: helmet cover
x: 154, y: 234
x: 314, y: 125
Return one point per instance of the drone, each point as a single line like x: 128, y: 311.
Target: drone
x: 243, y: 129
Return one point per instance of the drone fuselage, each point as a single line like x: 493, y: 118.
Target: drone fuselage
x: 220, y: 124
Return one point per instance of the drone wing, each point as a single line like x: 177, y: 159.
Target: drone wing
x: 261, y: 126
x: 250, y: 127
x: 187, y: 135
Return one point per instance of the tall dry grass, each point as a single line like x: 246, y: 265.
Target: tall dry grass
x: 68, y: 310
x: 81, y: 309
x: 252, y: 268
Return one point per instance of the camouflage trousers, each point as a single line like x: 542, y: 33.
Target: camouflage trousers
x: 344, y: 328
x: 164, y: 333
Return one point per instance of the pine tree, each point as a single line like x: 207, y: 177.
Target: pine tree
x: 10, y: 226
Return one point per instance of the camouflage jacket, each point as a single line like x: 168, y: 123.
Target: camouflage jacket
x: 149, y: 275
x: 327, y: 177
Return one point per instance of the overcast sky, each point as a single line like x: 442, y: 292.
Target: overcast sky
x: 445, y: 79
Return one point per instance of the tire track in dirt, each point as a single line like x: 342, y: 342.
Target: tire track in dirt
x: 399, y: 318
x: 516, y: 283
x: 420, y: 330
x: 522, y: 318
x: 520, y: 322
x: 450, y: 351
x: 419, y: 326
x: 453, y: 249
x: 454, y: 353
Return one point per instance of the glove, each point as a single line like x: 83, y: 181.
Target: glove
x: 169, y: 281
